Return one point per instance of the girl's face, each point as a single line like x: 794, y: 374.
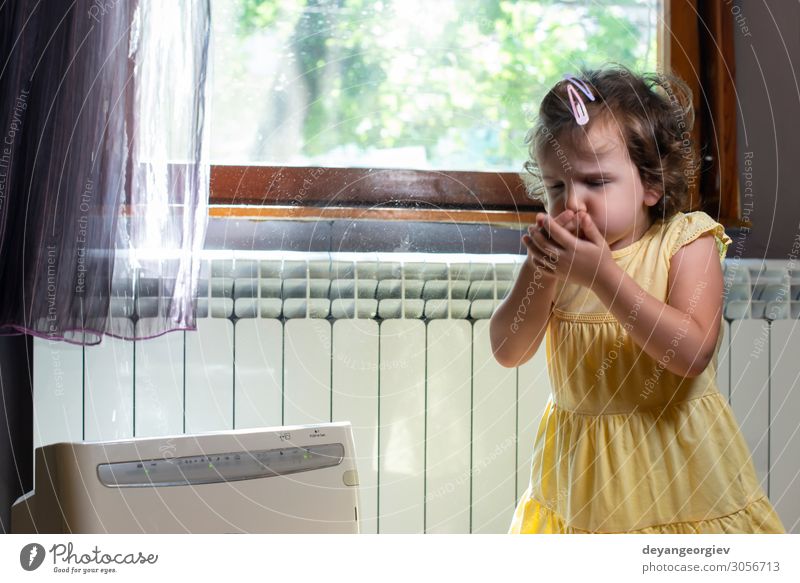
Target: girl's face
x: 605, y: 184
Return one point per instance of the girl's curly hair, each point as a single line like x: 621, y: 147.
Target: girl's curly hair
x: 655, y: 116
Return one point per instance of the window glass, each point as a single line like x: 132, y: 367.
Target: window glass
x: 418, y: 84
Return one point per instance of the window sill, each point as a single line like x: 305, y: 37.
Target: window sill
x: 497, y: 218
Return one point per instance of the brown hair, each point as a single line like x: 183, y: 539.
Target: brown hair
x: 654, y: 114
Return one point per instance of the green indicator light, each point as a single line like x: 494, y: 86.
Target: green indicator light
x: 211, y: 466
x: 305, y: 456
x: 146, y: 471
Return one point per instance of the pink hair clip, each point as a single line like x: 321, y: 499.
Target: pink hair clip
x: 576, y: 101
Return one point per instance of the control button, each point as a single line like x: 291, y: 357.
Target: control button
x: 350, y: 478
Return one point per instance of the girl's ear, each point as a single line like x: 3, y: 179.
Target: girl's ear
x: 651, y: 197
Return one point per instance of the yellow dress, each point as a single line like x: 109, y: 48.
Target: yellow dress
x: 624, y: 445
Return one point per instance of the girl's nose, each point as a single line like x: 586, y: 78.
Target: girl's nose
x: 575, y: 199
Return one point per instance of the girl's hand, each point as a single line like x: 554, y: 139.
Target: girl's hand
x: 583, y: 259
x: 536, y: 240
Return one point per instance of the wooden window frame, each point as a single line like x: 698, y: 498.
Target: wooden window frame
x: 701, y: 51
x: 371, y: 194
x: 499, y: 198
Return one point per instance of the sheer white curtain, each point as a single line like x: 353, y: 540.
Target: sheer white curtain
x: 103, y: 167
x: 170, y: 170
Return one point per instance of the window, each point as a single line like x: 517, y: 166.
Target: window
x: 398, y: 109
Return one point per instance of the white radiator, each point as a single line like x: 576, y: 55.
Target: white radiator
x: 443, y: 434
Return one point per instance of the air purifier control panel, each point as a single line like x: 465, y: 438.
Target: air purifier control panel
x: 219, y: 467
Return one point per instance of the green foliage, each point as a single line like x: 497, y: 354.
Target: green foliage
x: 459, y: 78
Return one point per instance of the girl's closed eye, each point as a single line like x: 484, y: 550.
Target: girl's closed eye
x: 590, y: 183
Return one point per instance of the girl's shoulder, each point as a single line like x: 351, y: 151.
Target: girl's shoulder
x: 684, y: 227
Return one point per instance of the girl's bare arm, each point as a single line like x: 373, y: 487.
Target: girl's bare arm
x: 682, y: 333
x: 519, y: 323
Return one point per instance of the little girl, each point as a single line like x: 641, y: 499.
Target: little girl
x: 627, y: 290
